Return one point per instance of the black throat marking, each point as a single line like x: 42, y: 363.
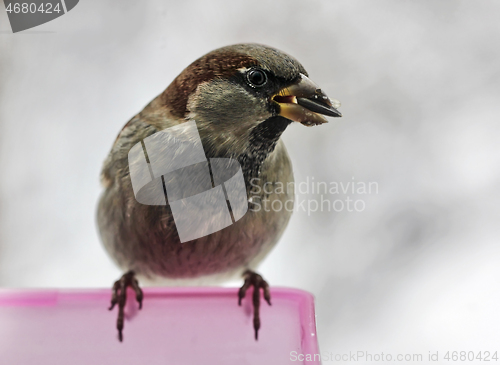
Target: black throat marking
x: 263, y: 140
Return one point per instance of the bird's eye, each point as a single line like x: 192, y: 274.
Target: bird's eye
x: 257, y: 77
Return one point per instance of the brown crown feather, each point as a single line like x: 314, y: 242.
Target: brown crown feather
x: 208, y: 67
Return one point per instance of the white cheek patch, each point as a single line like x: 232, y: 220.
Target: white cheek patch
x: 191, y: 102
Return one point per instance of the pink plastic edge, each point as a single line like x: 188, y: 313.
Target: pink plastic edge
x: 50, y: 297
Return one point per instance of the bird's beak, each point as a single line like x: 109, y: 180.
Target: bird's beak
x: 304, y: 102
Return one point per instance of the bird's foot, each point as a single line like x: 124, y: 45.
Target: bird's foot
x: 255, y: 280
x: 120, y: 297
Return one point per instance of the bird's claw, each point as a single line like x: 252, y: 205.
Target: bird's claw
x: 119, y: 297
x: 255, y: 280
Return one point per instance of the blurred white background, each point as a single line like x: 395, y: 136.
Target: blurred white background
x: 418, y: 270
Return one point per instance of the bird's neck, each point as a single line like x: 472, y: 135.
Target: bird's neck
x: 251, y: 152
x: 262, y: 142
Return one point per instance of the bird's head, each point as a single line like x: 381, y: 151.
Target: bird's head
x: 237, y: 90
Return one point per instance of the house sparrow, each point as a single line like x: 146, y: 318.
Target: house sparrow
x: 241, y: 98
